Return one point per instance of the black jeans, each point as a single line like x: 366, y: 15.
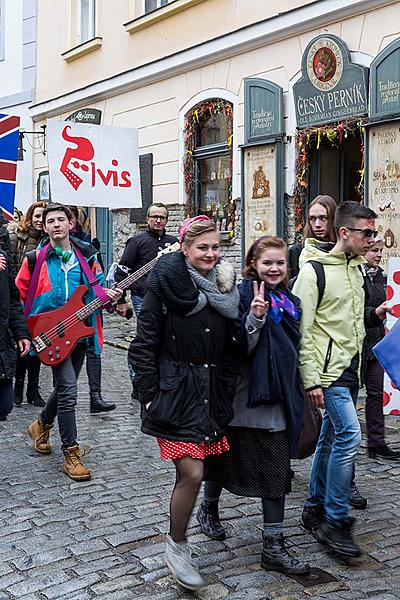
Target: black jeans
x: 6, y: 397
x: 374, y: 417
x: 63, y: 398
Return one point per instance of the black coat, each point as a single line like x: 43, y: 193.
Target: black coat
x: 184, y: 367
x: 375, y: 295
x: 139, y: 250
x: 12, y: 322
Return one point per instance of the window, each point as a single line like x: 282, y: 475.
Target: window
x: 208, y: 162
x: 86, y: 28
x: 150, y: 5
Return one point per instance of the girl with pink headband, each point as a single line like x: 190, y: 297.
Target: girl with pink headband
x: 185, y: 373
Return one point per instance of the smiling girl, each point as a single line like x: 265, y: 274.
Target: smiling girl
x: 268, y: 404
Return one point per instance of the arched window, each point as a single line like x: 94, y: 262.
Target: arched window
x: 208, y: 161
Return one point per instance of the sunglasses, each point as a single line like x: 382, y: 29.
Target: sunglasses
x: 367, y: 233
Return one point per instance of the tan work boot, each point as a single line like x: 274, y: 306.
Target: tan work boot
x: 40, y: 435
x: 73, y: 466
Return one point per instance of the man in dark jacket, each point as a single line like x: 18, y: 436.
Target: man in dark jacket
x: 141, y: 249
x: 13, y: 329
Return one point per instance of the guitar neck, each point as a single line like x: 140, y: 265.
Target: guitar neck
x: 90, y: 308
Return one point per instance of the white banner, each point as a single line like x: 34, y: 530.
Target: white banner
x: 391, y: 395
x: 92, y: 165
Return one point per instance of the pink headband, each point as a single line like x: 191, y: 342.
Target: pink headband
x: 186, y: 224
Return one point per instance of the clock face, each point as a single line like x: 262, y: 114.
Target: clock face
x: 324, y: 64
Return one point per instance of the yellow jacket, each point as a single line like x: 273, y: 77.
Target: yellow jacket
x: 333, y: 333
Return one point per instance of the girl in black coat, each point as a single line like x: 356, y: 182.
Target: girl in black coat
x: 268, y: 404
x: 372, y: 372
x: 13, y: 329
x: 185, y: 374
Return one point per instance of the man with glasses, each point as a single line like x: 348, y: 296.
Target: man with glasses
x: 330, y: 356
x: 139, y: 250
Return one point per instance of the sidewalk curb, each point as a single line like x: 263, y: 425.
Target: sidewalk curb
x: 117, y: 345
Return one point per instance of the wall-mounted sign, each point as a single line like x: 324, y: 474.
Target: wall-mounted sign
x: 86, y: 115
x: 331, y: 87
x: 93, y: 165
x: 385, y: 82
x: 263, y: 110
x: 260, y: 207
x: 384, y: 185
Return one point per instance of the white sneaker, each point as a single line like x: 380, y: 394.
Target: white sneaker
x: 179, y: 561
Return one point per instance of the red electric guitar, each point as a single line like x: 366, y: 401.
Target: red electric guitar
x: 56, y: 333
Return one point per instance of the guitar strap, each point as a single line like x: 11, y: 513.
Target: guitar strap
x: 100, y: 293
x: 35, y: 278
x: 91, y: 277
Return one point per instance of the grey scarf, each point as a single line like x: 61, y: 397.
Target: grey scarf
x: 226, y: 303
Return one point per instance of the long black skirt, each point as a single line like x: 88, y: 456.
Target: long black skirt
x: 257, y: 464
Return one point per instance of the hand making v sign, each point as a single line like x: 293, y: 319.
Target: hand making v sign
x: 259, y: 305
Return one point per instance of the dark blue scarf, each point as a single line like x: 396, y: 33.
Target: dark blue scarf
x: 274, y: 376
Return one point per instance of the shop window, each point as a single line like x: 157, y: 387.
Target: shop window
x: 150, y: 5
x: 208, y: 162
x: 86, y: 26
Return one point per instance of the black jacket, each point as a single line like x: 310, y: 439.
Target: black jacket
x: 184, y: 367
x: 139, y: 250
x: 375, y: 295
x: 12, y: 322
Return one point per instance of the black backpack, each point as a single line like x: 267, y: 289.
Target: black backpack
x: 320, y: 273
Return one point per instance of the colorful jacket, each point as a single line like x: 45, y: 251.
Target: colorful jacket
x: 56, y: 285
x: 333, y: 333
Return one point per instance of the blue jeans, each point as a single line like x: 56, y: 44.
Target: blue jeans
x: 6, y: 397
x: 137, y: 302
x: 332, y: 466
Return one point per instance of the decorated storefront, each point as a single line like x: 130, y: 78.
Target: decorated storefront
x: 262, y: 163
x: 331, y: 105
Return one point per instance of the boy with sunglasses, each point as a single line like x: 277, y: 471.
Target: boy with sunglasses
x: 330, y: 359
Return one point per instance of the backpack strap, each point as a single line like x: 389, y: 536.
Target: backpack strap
x: 31, y: 256
x: 94, y: 282
x: 321, y: 280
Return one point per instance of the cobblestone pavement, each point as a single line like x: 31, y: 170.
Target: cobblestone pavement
x: 103, y: 539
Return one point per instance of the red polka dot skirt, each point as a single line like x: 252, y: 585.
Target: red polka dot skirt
x: 172, y: 450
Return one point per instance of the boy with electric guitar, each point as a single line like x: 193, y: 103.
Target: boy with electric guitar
x: 62, y: 324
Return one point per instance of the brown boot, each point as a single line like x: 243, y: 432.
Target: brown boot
x: 73, y: 466
x: 40, y: 435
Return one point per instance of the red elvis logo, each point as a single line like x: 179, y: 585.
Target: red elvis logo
x: 84, y: 151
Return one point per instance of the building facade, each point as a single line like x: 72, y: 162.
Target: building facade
x: 245, y: 111
x: 17, y: 76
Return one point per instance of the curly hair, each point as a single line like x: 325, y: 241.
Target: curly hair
x: 26, y: 221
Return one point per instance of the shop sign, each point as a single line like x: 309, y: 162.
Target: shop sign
x: 263, y: 110
x: 86, y: 115
x: 391, y: 395
x: 331, y: 87
x: 384, y: 185
x: 385, y: 82
x: 260, y: 193
x: 93, y: 165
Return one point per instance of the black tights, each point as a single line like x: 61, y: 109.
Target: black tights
x: 189, y: 475
x: 273, y: 508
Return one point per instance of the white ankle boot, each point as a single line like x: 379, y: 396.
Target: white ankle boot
x: 179, y: 561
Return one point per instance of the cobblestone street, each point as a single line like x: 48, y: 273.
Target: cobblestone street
x: 104, y: 539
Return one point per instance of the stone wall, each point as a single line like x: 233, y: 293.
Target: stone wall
x: 123, y: 229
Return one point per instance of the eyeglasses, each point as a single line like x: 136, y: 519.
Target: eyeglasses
x: 157, y: 217
x: 367, y: 233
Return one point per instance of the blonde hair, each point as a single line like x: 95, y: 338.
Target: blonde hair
x: 197, y: 228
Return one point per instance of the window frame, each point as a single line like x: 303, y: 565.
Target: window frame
x: 159, y: 5
x: 91, y: 21
x: 194, y: 153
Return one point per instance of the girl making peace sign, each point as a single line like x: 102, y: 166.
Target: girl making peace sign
x: 268, y: 404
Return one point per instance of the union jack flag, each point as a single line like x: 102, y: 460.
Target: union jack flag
x: 9, y: 138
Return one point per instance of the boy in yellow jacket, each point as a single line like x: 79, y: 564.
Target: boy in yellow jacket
x: 330, y: 358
